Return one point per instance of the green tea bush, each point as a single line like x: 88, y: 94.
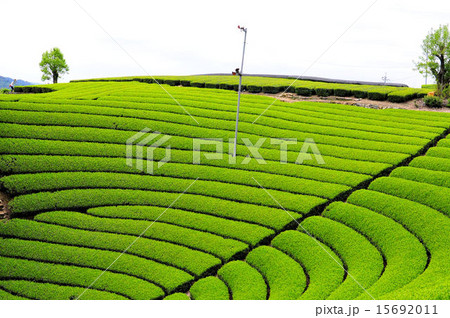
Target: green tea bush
x: 244, y: 282
x: 405, y: 256
x: 427, y: 194
x: 177, y: 296
x: 47, y: 291
x: 271, y: 89
x: 198, y: 240
x: 438, y: 178
x: 167, y: 277
x: 433, y: 101
x: 285, y: 277
x: 127, y: 286
x: 363, y: 261
x: 251, y: 234
x: 192, y: 262
x: 323, y: 266
x: 209, y: 288
x: 430, y: 226
x: 87, y: 198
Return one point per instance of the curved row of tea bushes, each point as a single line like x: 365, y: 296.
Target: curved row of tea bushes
x: 363, y: 261
x: 431, y: 227
x: 127, y: 286
x: 224, y: 249
x: 405, y: 256
x: 209, y: 288
x: 243, y: 281
x: 285, y: 277
x: 190, y: 261
x: 323, y: 267
x: 48, y: 291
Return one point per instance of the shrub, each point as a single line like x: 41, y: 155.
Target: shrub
x: 439, y: 178
x: 285, y: 276
x: 168, y: 277
x: 254, y: 88
x: 359, y: 93
x: 128, y: 286
x: 185, y: 83
x: 48, y: 291
x: 433, y: 101
x: 304, y: 91
x: 209, y: 288
x: 172, y: 82
x: 190, y: 261
x: 342, y: 92
x: 377, y: 95
x: 198, y: 240
x: 249, y: 233
x: 323, y: 266
x: 198, y: 84
x: 177, y: 296
x: 405, y: 261
x: 364, y: 262
x: 324, y: 92
x: 271, y: 89
x: 211, y: 85
x: 427, y: 194
x: 244, y: 282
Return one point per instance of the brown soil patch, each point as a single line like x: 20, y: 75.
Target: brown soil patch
x: 416, y: 104
x: 5, y: 212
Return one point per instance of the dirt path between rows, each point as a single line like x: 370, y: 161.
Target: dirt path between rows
x: 416, y: 104
x: 5, y: 212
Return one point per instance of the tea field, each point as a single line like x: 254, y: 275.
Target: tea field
x: 369, y: 222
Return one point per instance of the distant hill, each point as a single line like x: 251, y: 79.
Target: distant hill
x: 5, y: 81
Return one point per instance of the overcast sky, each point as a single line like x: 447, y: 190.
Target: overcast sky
x: 196, y: 37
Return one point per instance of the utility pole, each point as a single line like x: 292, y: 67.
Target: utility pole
x: 239, y: 72
x: 385, y: 78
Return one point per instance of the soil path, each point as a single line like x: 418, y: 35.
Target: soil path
x: 416, y: 104
x: 5, y: 212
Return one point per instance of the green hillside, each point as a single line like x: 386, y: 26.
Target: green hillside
x: 369, y: 221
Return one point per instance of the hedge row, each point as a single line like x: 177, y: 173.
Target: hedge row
x: 362, y: 260
x: 79, y: 199
x: 205, y: 242
x: 323, y: 266
x: 271, y: 85
x: 195, y: 262
x: 255, y: 104
x: 209, y: 288
x: 244, y: 282
x: 431, y: 163
x: 18, y: 184
x: 249, y: 233
x: 439, y: 152
x: 444, y: 142
x: 127, y: 286
x: 54, y: 147
x: 427, y: 194
x: 4, y: 295
x: 221, y: 106
x: 14, y: 164
x: 166, y: 277
x: 430, y: 226
x: 335, y: 157
x: 47, y: 291
x: 439, y: 178
x: 32, y: 89
x: 177, y: 296
x: 131, y: 117
x: 285, y: 277
x: 405, y: 256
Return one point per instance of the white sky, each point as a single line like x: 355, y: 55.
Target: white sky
x: 194, y: 37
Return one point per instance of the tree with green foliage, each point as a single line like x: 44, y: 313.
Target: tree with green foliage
x: 435, y: 59
x: 53, y: 65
